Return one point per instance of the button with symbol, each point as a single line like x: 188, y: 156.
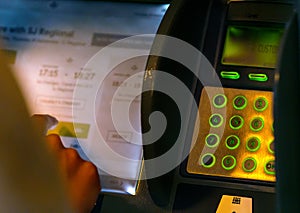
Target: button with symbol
x: 270, y: 167
x: 271, y: 147
x: 215, y: 120
x: 207, y: 160
x: 249, y: 164
x: 236, y: 122
x: 220, y: 101
x: 260, y: 104
x: 257, y: 124
x: 232, y: 142
x: 253, y: 144
x: 228, y: 162
x: 212, y: 140
x: 239, y: 102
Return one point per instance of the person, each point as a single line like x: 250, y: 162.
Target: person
x: 38, y: 174
x: 81, y: 177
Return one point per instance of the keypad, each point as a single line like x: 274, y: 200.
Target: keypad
x: 235, y: 136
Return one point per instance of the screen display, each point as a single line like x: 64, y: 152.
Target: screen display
x: 55, y: 49
x: 251, y: 46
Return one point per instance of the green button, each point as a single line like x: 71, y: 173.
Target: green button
x: 212, y: 140
x: 230, y: 75
x: 260, y: 104
x: 236, y: 122
x: 270, y: 167
x: 220, y: 101
x: 258, y: 77
x: 232, y: 142
x: 249, y: 164
x: 257, y: 124
x: 207, y: 160
x: 271, y: 147
x: 253, y: 144
x: 215, y: 120
x: 228, y: 162
x: 239, y: 102
x: 70, y: 129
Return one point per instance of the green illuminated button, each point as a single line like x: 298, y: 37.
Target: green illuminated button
x: 271, y: 147
x: 260, y: 104
x: 228, y: 162
x: 212, y: 140
x: 249, y: 164
x: 258, y: 77
x: 230, y: 75
x: 253, y: 144
x: 239, y: 102
x: 270, y: 167
x: 257, y: 124
x: 236, y: 122
x: 207, y: 160
x: 215, y: 120
x: 220, y: 101
x: 232, y: 142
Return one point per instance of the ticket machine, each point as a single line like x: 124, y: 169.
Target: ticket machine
x: 225, y: 145
x: 219, y: 107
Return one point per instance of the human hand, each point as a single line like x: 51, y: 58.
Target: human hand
x: 81, y: 177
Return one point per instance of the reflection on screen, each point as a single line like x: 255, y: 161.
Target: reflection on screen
x: 49, y: 44
x: 251, y: 46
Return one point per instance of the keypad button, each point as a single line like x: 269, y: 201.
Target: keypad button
x: 257, y: 124
x: 236, y: 122
x: 272, y: 147
x: 208, y: 160
x: 253, y: 144
x: 239, y: 102
x: 220, y: 101
x: 215, y: 120
x: 228, y: 162
x: 212, y: 140
x: 232, y: 142
x: 249, y: 164
x: 270, y: 167
x: 260, y: 104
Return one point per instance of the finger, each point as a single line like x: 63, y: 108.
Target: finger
x: 44, y: 122
x: 54, y: 143
x: 87, y: 178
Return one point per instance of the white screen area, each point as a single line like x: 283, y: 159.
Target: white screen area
x: 54, y: 48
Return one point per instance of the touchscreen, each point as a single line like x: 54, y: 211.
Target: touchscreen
x: 54, y: 47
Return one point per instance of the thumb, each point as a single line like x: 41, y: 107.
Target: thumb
x: 44, y: 122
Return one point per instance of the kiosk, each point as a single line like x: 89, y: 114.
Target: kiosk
x: 219, y: 103
x: 226, y: 153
